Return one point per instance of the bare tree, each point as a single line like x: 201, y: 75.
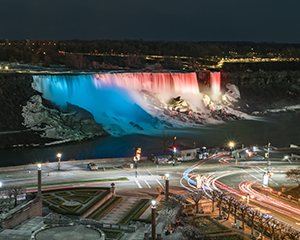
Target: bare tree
x: 168, y: 216
x: 166, y: 140
x: 8, y: 192
x: 235, y: 205
x: 263, y: 223
x: 213, y: 197
x: 229, y: 202
x: 221, y: 198
x: 253, y: 214
x: 3, y: 204
x: 193, y: 233
x: 12, y: 193
x: 195, y: 197
x: 273, y: 227
x: 243, y: 210
x: 18, y: 190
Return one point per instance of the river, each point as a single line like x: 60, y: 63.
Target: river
x: 281, y: 129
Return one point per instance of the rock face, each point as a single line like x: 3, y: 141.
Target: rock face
x: 75, y: 124
x: 263, y: 90
x: 29, y: 120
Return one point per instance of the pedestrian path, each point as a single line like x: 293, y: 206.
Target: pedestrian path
x: 31, y: 224
x: 119, y: 210
x: 137, y: 235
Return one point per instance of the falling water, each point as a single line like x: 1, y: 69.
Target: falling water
x: 114, y: 98
x: 215, y: 84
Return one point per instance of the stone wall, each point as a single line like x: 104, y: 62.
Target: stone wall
x: 22, y: 213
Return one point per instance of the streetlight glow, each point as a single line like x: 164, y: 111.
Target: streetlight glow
x: 153, y: 202
x: 39, y: 166
x: 167, y: 175
x: 59, y: 157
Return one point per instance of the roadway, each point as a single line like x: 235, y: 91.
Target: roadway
x: 236, y: 178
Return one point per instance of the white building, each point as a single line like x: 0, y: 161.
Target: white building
x: 187, y: 154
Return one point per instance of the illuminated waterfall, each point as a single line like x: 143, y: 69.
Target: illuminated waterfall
x: 215, y: 84
x: 162, y: 83
x: 114, y: 98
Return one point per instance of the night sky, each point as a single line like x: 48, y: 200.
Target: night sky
x: 176, y: 20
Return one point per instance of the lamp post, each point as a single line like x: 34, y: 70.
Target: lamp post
x: 59, y: 157
x: 153, y: 222
x: 231, y: 145
x: 167, y: 187
x: 268, y: 158
x: 39, y: 169
x: 247, y: 198
x: 135, y: 165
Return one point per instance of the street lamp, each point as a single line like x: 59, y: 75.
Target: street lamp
x: 247, y: 198
x: 135, y: 165
x: 231, y: 146
x: 167, y: 187
x: 39, y: 168
x: 153, y: 222
x: 268, y: 161
x: 59, y: 157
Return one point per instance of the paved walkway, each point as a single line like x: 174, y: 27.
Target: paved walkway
x: 119, y: 210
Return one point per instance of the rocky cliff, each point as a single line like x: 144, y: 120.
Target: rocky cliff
x: 29, y: 120
x: 265, y: 89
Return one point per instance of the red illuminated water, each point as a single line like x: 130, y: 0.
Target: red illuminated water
x: 215, y: 83
x: 154, y: 82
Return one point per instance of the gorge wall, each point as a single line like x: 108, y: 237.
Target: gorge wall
x: 47, y: 123
x: 266, y: 89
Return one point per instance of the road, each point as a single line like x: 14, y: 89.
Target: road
x: 236, y: 178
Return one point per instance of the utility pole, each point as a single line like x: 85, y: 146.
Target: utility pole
x: 268, y: 161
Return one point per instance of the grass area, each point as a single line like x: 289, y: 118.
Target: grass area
x: 89, y: 197
x: 84, y: 181
x: 81, y: 199
x: 209, y: 225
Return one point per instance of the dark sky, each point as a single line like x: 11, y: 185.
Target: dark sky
x: 178, y: 20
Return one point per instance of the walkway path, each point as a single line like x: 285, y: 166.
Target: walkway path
x: 119, y: 210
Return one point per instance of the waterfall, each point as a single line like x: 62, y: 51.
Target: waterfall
x: 215, y: 84
x: 162, y: 83
x: 114, y: 98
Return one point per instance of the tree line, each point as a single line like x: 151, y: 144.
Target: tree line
x: 173, y: 216
x: 111, y: 53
